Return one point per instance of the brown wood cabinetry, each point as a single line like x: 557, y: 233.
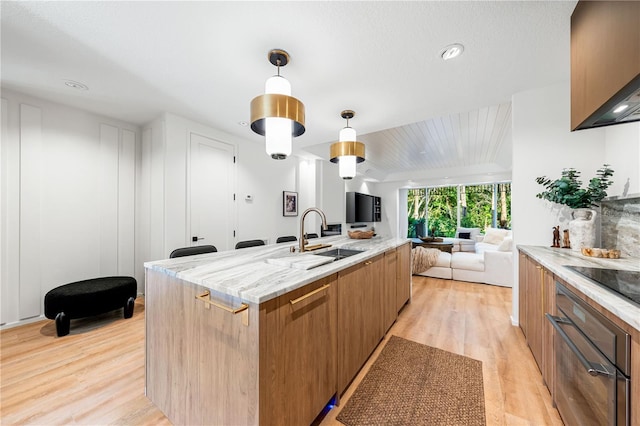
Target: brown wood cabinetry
x: 275, y: 363
x: 403, y: 282
x: 204, y: 366
x: 389, y: 311
x: 634, y: 350
x: 360, y: 325
x: 536, y: 298
x: 548, y: 306
x: 537, y: 282
x: 298, y: 344
x: 186, y: 345
x: 535, y: 315
x: 605, y: 54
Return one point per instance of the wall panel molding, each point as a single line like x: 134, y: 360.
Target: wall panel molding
x: 126, y: 203
x: 31, y: 166
x: 109, y: 146
x: 143, y: 212
x: 9, y: 216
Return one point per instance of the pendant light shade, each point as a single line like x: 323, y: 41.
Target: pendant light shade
x: 347, y: 152
x: 277, y: 115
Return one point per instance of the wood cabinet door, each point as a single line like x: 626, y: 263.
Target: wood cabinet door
x: 600, y: 30
x: 202, y: 363
x: 548, y: 348
x: 534, y: 310
x: 522, y: 292
x: 298, y: 353
x: 169, y: 318
x: 359, y: 318
x: 389, y: 308
x: 403, y: 289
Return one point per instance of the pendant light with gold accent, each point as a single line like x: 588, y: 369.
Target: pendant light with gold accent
x: 347, y: 152
x: 277, y: 115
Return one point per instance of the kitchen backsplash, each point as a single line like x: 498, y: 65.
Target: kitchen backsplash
x: 621, y: 225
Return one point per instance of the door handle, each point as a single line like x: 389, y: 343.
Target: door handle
x: 593, y: 368
x: 194, y: 239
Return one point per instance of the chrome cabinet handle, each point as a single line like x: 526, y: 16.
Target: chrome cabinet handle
x: 593, y: 368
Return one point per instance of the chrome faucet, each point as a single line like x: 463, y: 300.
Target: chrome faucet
x: 303, y: 241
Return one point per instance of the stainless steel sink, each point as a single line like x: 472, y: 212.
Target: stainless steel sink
x: 339, y: 253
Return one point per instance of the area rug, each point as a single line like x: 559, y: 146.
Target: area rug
x: 415, y: 384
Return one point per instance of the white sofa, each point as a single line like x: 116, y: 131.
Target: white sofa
x: 485, y: 259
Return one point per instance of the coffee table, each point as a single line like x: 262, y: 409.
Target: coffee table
x: 446, y: 247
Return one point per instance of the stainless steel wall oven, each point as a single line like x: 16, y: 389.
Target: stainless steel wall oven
x: 593, y: 363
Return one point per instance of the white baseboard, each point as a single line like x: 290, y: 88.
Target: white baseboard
x: 22, y: 322
x: 514, y: 321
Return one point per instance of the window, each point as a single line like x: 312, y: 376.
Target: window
x: 439, y: 211
x: 442, y: 211
x: 416, y: 212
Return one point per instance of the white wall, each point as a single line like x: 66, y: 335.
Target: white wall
x: 68, y: 200
x: 332, y: 192
x: 622, y: 151
x: 164, y: 193
x: 393, y: 206
x: 544, y: 145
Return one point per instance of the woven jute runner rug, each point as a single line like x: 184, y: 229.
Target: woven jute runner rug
x: 415, y: 384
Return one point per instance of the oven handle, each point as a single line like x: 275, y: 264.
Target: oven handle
x: 592, y: 368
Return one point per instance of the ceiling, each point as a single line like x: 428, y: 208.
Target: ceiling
x: 417, y: 114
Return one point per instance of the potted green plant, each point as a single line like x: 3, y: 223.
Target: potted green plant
x: 568, y: 191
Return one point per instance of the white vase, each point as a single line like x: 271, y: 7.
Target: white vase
x: 582, y: 228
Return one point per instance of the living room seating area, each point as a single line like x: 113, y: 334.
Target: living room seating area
x: 477, y: 258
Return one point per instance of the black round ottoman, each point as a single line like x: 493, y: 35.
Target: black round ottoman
x: 89, y: 297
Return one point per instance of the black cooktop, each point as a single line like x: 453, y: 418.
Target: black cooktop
x: 626, y: 283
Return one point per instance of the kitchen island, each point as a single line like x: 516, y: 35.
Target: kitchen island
x: 252, y: 337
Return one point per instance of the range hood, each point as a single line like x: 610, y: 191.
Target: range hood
x: 605, y: 63
x: 623, y: 107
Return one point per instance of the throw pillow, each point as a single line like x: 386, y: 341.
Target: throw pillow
x: 495, y: 236
x: 472, y: 231
x: 506, y: 244
x: 465, y: 235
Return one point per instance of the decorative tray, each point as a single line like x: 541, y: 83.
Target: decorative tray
x: 598, y: 252
x: 360, y: 235
x: 431, y: 239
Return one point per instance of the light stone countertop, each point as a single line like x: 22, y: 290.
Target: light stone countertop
x: 554, y: 259
x: 246, y: 274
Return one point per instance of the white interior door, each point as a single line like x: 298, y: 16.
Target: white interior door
x: 211, y: 193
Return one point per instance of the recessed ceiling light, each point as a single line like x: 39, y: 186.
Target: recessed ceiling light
x: 620, y: 108
x: 452, y: 51
x: 76, y: 85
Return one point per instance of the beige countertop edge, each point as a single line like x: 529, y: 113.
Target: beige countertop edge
x: 554, y: 259
x: 245, y: 274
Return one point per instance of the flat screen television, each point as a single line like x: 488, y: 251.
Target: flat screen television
x: 362, y: 208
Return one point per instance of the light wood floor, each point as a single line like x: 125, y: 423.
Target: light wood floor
x: 96, y: 374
